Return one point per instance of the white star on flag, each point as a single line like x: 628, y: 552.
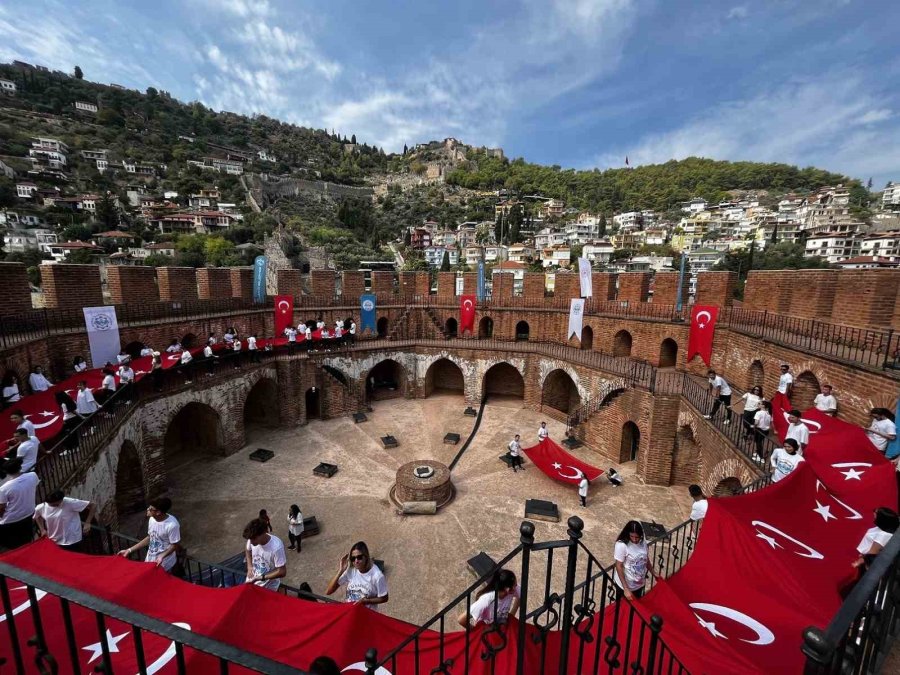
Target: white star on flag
x: 141, y: 372
x: 769, y: 540
x: 852, y: 474
x: 824, y: 511
x: 711, y: 627
x: 47, y: 413
x: 97, y: 647
x: 557, y: 465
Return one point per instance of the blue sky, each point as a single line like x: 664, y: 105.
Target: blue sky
x: 579, y: 83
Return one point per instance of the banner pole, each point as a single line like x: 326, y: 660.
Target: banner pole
x: 678, y: 303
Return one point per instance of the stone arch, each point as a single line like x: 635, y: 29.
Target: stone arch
x: 668, y: 353
x: 622, y: 343
x: 451, y: 327
x: 560, y: 392
x: 504, y: 379
x: 727, y: 468
x: 444, y: 376
x: 261, y: 404
x: 523, y: 330
x: 382, y: 327
x: 756, y: 374
x: 336, y: 374
x: 386, y: 379
x: 806, y: 387
x: 196, y: 429
x: 631, y: 442
x: 133, y: 349
x: 727, y: 487
x: 189, y: 341
x: 486, y: 328
x: 587, y: 338
x: 131, y: 496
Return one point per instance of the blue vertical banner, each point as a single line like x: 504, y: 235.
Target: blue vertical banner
x: 893, y: 448
x: 480, y: 288
x: 259, y: 279
x: 367, y: 313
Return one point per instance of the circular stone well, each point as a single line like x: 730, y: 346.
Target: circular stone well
x: 423, y: 481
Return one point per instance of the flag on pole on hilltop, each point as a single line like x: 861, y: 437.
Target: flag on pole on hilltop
x: 576, y: 313
x: 703, y: 328
x: 284, y: 313
x: 466, y: 313
x: 367, y: 313
x: 584, y: 276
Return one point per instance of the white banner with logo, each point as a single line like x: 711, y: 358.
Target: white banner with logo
x: 584, y: 275
x: 576, y: 314
x: 103, y: 334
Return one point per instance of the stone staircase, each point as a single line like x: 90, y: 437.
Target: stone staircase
x: 608, y: 393
x: 436, y: 322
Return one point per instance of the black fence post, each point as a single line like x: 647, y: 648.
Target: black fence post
x: 818, y: 650
x: 526, y: 532
x: 656, y: 624
x: 576, y: 526
x: 371, y: 661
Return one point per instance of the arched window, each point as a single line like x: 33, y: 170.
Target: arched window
x: 522, y: 330
x: 486, y: 328
x: 622, y: 343
x: 668, y: 353
x: 587, y: 338
x: 450, y: 328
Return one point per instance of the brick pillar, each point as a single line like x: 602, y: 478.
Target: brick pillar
x: 131, y: 284
x: 383, y: 285
x: 603, y: 285
x: 815, y: 297
x: 241, y: 282
x: 407, y: 284
x: 353, y: 285
x: 567, y: 285
x: 503, y: 285
x: 770, y: 290
x: 665, y: 289
x: 71, y: 286
x: 289, y: 282
x: 533, y: 286
x: 423, y: 283
x: 446, y: 284
x: 15, y: 292
x: 656, y: 452
x: 321, y: 283
x: 634, y: 286
x: 470, y: 283
x: 213, y: 283
x: 866, y: 297
x: 177, y: 283
x: 716, y: 288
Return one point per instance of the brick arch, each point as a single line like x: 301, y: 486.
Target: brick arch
x: 559, y: 390
x: 505, y: 379
x: 727, y: 487
x: 195, y: 425
x: 261, y: 403
x: 806, y: 387
x: 756, y: 375
x: 451, y: 326
x: 133, y: 348
x: 444, y: 375
x: 622, y: 343
x: 384, y: 374
x: 668, y: 352
x: 130, y: 495
x: 727, y: 468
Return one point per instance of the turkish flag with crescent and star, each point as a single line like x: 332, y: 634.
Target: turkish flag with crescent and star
x: 703, y: 328
x: 550, y: 458
x: 284, y: 313
x: 466, y: 313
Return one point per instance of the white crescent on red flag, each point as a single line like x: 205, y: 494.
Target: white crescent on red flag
x: 550, y: 458
x: 284, y: 313
x: 467, y: 313
x: 703, y: 327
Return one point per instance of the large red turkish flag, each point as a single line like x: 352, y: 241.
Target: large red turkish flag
x: 703, y: 328
x: 284, y: 313
x: 466, y: 313
x: 550, y: 458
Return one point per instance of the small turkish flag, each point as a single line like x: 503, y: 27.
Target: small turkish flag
x: 703, y: 327
x: 284, y: 313
x: 466, y: 313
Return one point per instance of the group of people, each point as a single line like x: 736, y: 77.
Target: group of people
x: 344, y: 331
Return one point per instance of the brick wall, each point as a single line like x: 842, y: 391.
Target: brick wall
x: 177, y: 283
x: 321, y: 283
x: 131, y: 283
x: 769, y: 290
x: 383, y: 285
x: 289, y: 282
x: 665, y: 289
x: 353, y: 285
x: 815, y: 297
x: 71, y: 286
x: 865, y: 297
x: 533, y: 285
x: 241, y: 282
x: 716, y: 288
x: 634, y: 286
x: 470, y: 283
x: 566, y: 286
x: 423, y: 283
x: 15, y: 292
x: 406, y: 284
x: 503, y: 285
x: 603, y: 285
x: 213, y: 283
x: 446, y: 284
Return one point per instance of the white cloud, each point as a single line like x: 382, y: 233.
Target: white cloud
x: 739, y: 12
x: 874, y: 116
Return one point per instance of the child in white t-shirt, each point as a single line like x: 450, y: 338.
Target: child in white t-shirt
x: 785, y: 460
x: 495, y: 602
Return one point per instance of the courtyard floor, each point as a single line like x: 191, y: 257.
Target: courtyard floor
x: 425, y: 556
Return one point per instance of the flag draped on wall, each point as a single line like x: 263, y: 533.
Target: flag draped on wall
x: 576, y: 315
x: 284, y: 313
x: 584, y: 276
x: 259, y: 279
x: 103, y: 334
x: 466, y: 313
x: 367, y: 313
x: 703, y: 328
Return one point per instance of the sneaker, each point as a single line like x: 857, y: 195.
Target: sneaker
x: 726, y: 422
x: 757, y: 458
x: 707, y: 417
x: 291, y: 548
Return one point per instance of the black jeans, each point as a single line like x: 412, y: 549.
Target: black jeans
x: 295, y: 540
x: 759, y: 435
x: 18, y: 533
x: 723, y: 398
x: 747, y: 419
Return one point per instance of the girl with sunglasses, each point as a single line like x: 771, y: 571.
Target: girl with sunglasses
x: 365, y: 583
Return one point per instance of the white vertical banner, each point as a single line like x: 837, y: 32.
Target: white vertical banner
x: 576, y: 314
x: 584, y: 275
x: 103, y: 334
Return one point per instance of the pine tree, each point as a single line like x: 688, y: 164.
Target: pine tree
x: 407, y: 237
x: 869, y: 184
x: 498, y: 227
x: 405, y: 149
x: 78, y: 74
x: 602, y: 226
x: 445, y: 262
x: 353, y: 139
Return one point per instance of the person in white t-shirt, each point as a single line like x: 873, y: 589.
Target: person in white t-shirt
x: 79, y: 365
x: 882, y: 430
x: 38, y: 381
x: 365, y: 583
x: 292, y: 338
x: 238, y: 357
x: 252, y: 348
x: 10, y: 385
x: 762, y: 422
x: 146, y: 351
x: 785, y: 460
x: 307, y: 334
x: 107, y: 387
x: 295, y: 527
x: 786, y: 381
x: 85, y: 404
x: 632, y: 561
x: 18, y: 418
x: 501, y: 593
x: 174, y: 347
x: 720, y: 390
x: 265, y: 556
x: 17, y: 505
x: 228, y: 337
x: 27, y: 449
x: 825, y: 401
x: 583, y: 484
x: 797, y: 430
x: 163, y: 536
x: 59, y: 518
x: 352, y: 331
x: 186, y: 365
x: 210, y: 359
x: 876, y: 538
x: 515, y: 453
x: 542, y: 432
x: 211, y: 340
x: 701, y: 503
x: 752, y: 401
x: 320, y: 324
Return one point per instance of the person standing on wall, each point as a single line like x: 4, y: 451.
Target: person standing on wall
x: 825, y: 401
x: 752, y: 401
x: 762, y: 422
x: 797, y: 430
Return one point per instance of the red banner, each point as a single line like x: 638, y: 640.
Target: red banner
x: 703, y: 328
x: 467, y: 313
x: 550, y: 458
x: 284, y: 313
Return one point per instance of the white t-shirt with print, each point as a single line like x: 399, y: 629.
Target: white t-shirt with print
x: 884, y: 426
x: 482, y: 610
x: 699, y: 508
x: 63, y: 521
x: 783, y: 463
x: 18, y: 495
x: 109, y: 382
x: 265, y: 558
x: 784, y: 381
x: 28, y: 452
x: 583, y: 486
x: 162, y: 535
x: 371, y: 584
x: 874, y: 535
x: 718, y: 382
x: 634, y: 559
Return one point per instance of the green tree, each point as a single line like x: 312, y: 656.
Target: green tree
x: 190, y: 250
x: 415, y: 263
x: 219, y: 251
x: 159, y: 260
x: 80, y: 257
x: 76, y: 232
x: 445, y: 262
x: 353, y: 139
x: 7, y: 191
x: 107, y: 212
x: 407, y: 237
x: 78, y: 74
x: 602, y: 225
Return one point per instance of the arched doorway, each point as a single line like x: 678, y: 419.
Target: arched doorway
x: 560, y: 393
x: 261, y: 405
x: 631, y: 442
x: 668, y: 353
x: 587, y: 338
x: 382, y: 327
x: 622, y: 343
x: 486, y: 328
x: 756, y: 375
x: 189, y: 341
x: 385, y: 380
x: 450, y: 328
x: 444, y: 376
x: 130, y: 495
x: 522, y: 330
x: 806, y: 387
x: 195, y: 431
x: 727, y: 487
x: 133, y: 349
x: 313, y: 402
x: 502, y: 379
